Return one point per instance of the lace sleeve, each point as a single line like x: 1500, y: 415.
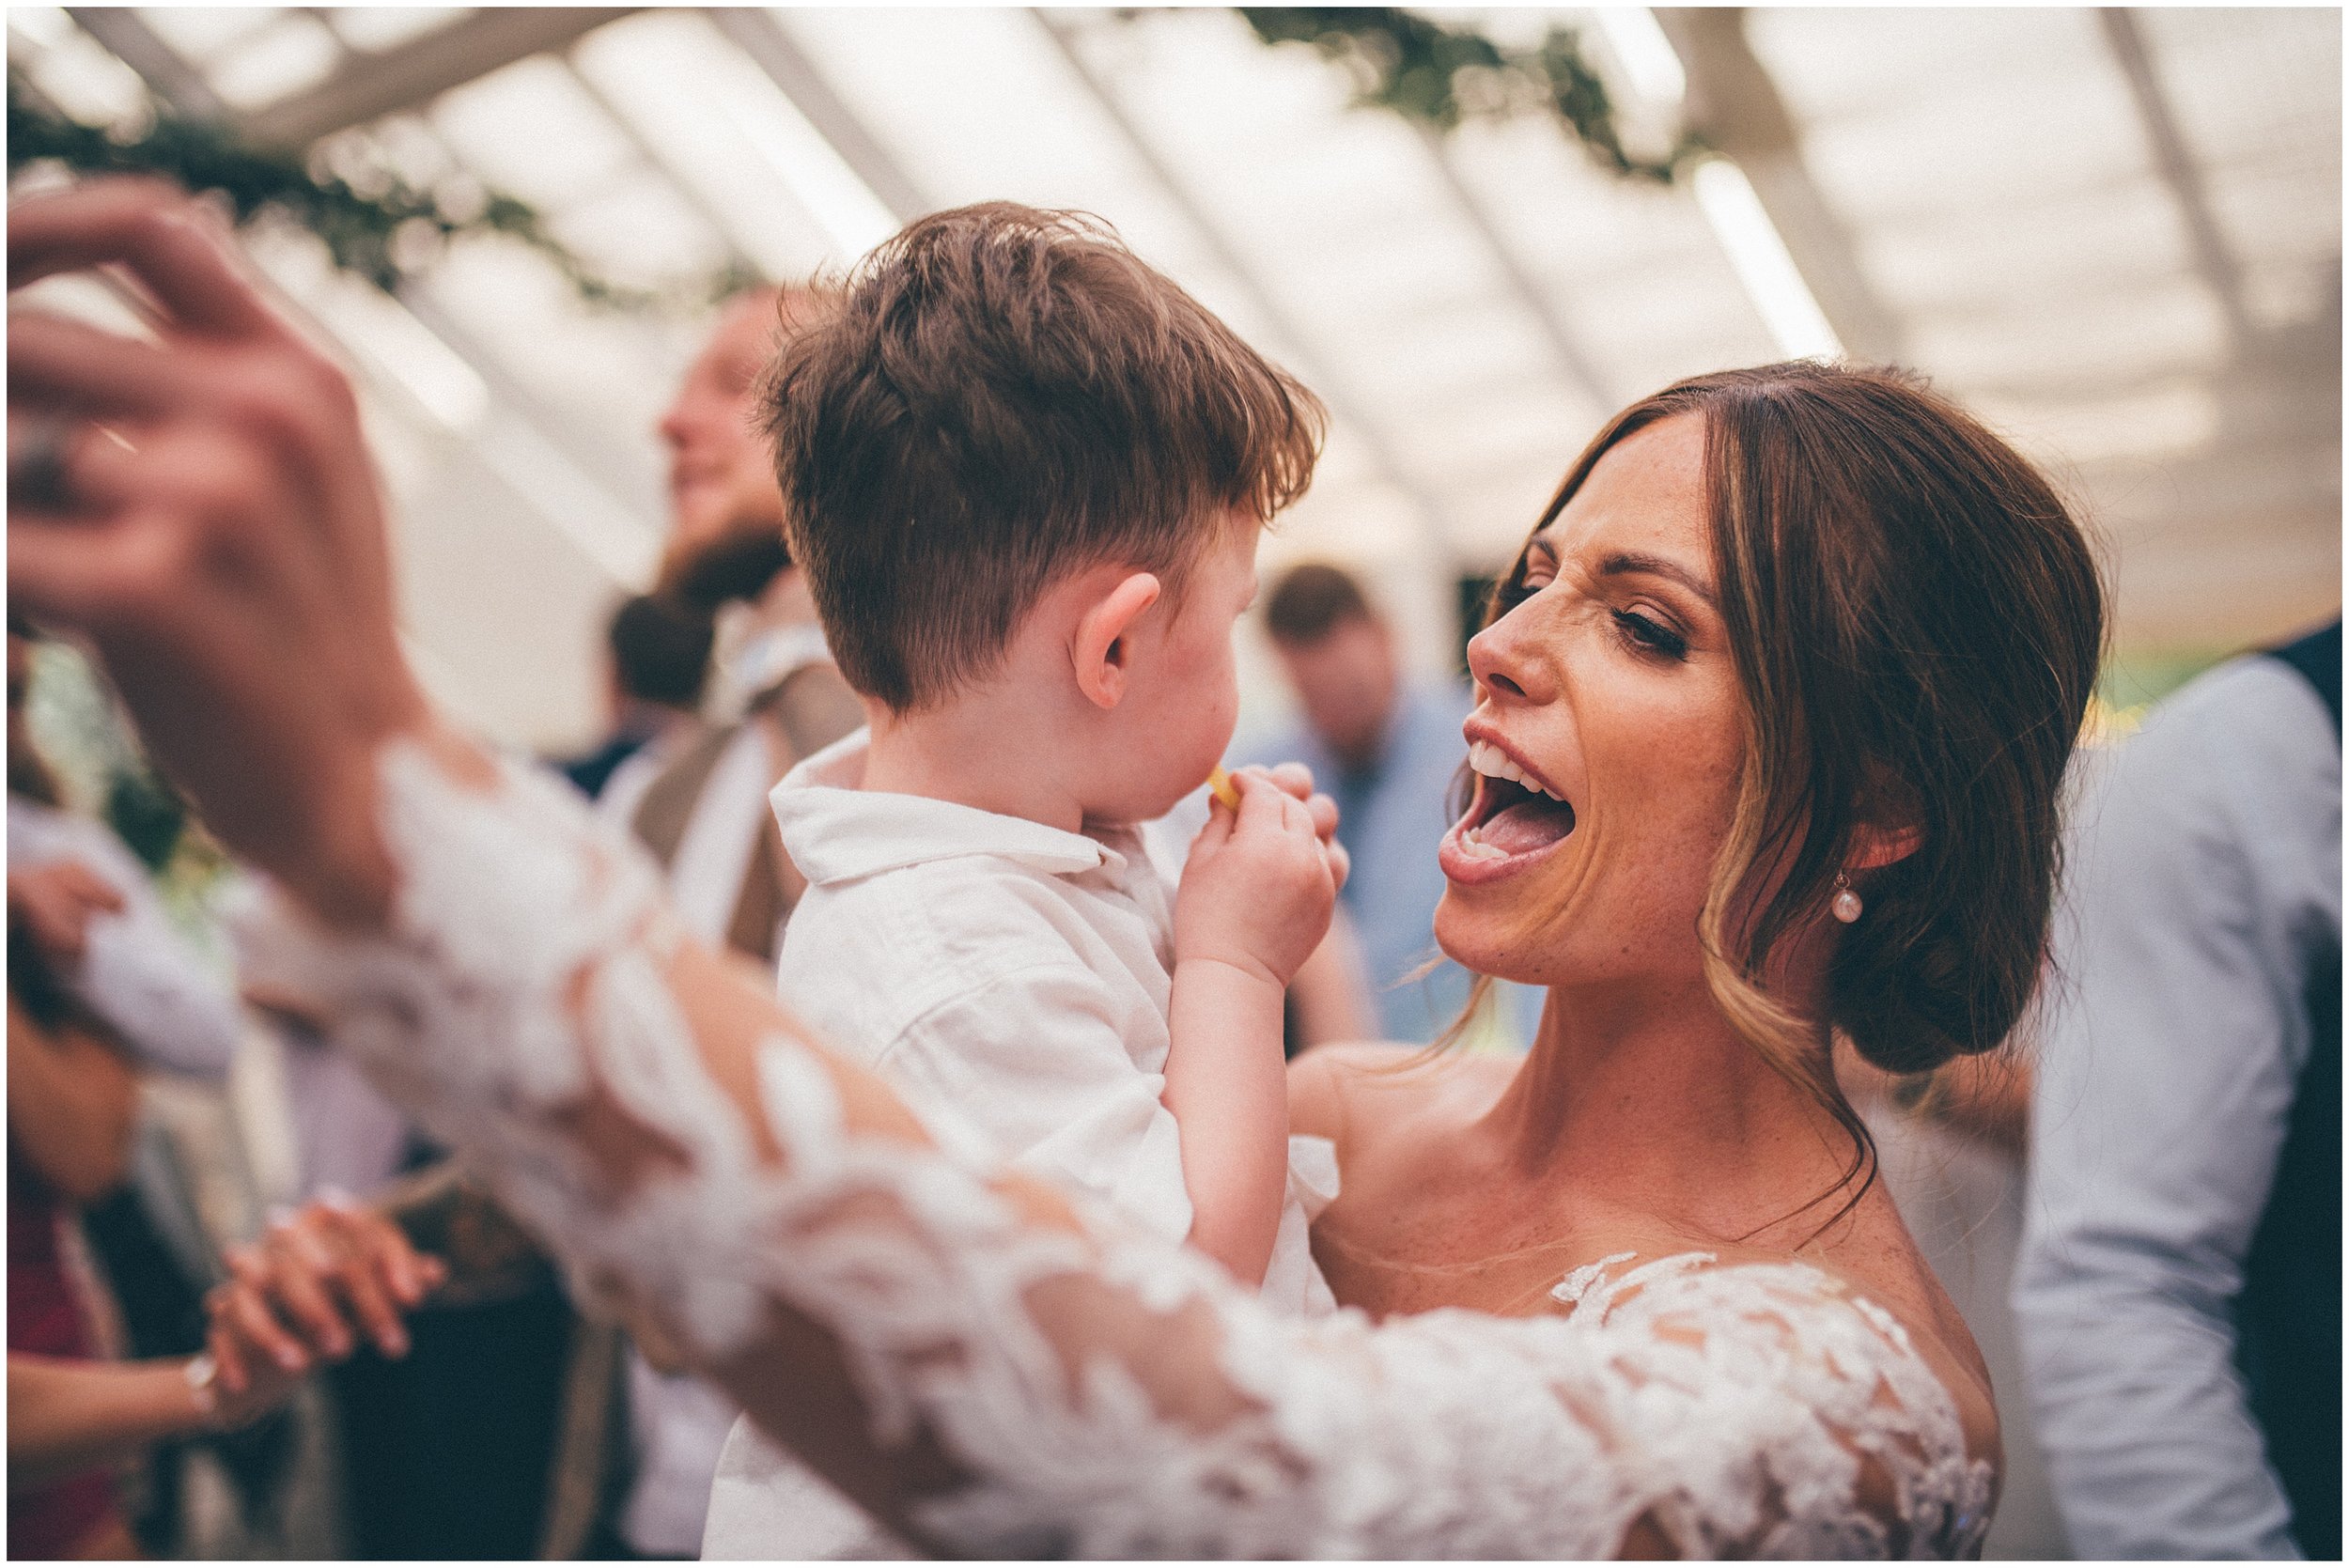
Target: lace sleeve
x: 995, y: 1376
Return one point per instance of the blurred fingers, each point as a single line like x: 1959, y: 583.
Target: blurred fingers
x: 376, y: 1265
x: 80, y: 370
x: 69, y: 572
x: 168, y: 243
x: 227, y: 1351
x: 294, y: 1280
x: 246, y: 1316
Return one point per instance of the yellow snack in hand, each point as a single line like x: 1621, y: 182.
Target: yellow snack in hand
x: 1219, y: 784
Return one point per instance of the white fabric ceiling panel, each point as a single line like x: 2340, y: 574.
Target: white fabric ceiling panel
x: 531, y: 130
x: 1991, y: 171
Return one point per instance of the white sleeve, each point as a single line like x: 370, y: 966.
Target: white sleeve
x: 2165, y: 1083
x: 1035, y: 1060
x: 141, y: 979
x: 998, y: 1381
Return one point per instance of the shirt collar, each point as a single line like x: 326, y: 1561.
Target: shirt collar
x: 836, y: 833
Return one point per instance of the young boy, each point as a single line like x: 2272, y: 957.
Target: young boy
x: 1025, y: 475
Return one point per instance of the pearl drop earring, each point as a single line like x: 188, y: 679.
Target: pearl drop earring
x: 1845, y: 903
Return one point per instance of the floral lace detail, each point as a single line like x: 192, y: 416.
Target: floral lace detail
x: 1091, y: 1393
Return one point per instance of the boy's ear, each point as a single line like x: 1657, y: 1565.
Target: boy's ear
x: 1100, y: 648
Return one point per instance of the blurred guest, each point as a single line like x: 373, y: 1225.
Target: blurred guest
x: 72, y: 1101
x: 656, y: 662
x: 778, y: 696
x: 2180, y: 1287
x: 85, y: 900
x: 1387, y: 752
x: 321, y: 1282
x: 704, y: 815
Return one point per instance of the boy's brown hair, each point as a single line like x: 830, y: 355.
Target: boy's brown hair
x: 1001, y: 396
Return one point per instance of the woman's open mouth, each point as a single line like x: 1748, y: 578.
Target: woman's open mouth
x: 1513, y: 820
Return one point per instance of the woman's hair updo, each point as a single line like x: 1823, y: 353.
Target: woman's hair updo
x: 1916, y: 621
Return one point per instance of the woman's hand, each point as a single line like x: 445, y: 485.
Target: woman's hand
x: 318, y: 1283
x: 202, y: 507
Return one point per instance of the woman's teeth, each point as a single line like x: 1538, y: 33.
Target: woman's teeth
x: 1490, y: 760
x: 1473, y: 845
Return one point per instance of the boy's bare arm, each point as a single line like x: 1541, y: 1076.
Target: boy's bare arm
x: 1255, y: 903
x: 1227, y: 1088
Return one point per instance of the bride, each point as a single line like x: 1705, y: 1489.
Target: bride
x: 1774, y: 712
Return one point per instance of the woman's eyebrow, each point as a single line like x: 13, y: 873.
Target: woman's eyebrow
x: 1625, y: 563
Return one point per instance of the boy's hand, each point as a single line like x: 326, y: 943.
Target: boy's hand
x: 1258, y: 890
x: 1297, y: 778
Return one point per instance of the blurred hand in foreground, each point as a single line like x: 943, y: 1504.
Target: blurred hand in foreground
x: 202, y: 507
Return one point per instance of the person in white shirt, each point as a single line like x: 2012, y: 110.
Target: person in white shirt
x: 1044, y: 656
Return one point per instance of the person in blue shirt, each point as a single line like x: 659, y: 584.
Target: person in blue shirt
x: 1387, y: 750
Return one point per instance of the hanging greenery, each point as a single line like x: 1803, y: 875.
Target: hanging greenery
x: 1438, y: 76
x: 382, y: 232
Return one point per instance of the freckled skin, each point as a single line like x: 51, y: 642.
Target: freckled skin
x: 1648, y: 749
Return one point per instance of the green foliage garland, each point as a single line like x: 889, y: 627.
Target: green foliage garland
x: 1417, y: 68
x: 377, y: 233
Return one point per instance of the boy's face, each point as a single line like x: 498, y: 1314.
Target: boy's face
x: 1184, y: 697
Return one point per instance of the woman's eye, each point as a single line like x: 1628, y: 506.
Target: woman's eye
x: 1652, y: 635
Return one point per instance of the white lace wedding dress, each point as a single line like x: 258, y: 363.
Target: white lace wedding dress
x: 1006, y: 1384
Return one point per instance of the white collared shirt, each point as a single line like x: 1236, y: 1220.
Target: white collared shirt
x: 1006, y: 973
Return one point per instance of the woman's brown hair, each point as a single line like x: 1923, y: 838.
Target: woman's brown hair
x: 1916, y: 620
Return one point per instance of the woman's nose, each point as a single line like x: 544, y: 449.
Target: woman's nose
x: 1504, y: 660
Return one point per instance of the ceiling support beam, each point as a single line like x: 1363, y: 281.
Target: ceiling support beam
x: 410, y: 75
x: 1332, y: 390
x: 167, y: 72
x: 776, y: 52
x: 1735, y: 107
x: 2213, y: 262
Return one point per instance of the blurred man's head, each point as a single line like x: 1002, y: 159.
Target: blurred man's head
x: 1339, y: 656
x: 723, y: 494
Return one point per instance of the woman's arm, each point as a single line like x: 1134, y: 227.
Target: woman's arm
x: 68, y: 1416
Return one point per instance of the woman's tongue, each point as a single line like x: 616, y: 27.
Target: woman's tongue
x: 1526, y: 826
